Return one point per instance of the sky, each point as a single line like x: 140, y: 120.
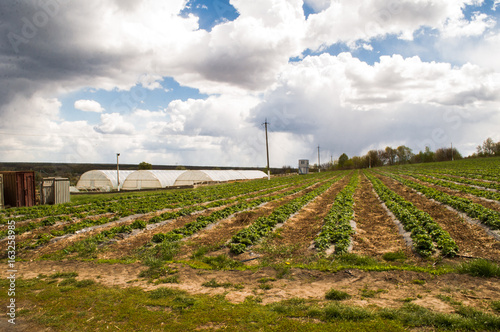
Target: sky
x: 183, y: 82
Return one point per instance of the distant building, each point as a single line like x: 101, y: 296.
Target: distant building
x: 303, y: 166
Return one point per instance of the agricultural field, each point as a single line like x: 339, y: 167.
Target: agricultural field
x: 412, y: 247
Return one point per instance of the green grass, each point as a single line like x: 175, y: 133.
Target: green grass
x: 495, y: 305
x: 395, y: 256
x: 86, y: 305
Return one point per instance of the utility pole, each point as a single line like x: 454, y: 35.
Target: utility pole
x: 451, y: 151
x: 118, y: 171
x: 267, y: 151
x: 319, y: 164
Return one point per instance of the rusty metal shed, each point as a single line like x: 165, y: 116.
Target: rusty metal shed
x: 19, y: 188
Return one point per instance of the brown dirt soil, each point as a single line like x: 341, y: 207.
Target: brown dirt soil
x: 376, y: 232
x: 297, y: 234
x: 391, y: 288
x: 472, y: 240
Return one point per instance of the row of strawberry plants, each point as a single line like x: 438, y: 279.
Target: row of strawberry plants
x: 337, y: 228
x: 487, y: 216
x: 424, y: 230
x: 462, y: 188
x: 476, y: 183
x: 203, y: 221
x: 483, y: 173
x: 264, y: 225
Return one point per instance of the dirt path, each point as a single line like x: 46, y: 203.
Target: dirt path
x: 389, y: 289
x: 376, y: 232
x: 472, y: 240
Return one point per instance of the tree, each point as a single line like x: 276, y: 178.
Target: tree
x: 343, y: 159
x: 446, y: 154
x: 390, y: 155
x: 145, y: 165
x: 404, y: 154
x: 489, y: 147
x: 373, y: 157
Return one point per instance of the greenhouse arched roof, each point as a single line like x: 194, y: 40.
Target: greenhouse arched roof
x: 150, y: 179
x: 104, y: 180
x: 199, y: 176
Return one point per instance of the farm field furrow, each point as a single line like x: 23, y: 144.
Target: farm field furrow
x: 488, y: 217
x: 295, y: 240
x: 425, y: 233
x: 264, y: 226
x: 376, y: 233
x: 472, y: 240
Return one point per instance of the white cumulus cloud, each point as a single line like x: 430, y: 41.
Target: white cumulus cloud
x: 88, y: 106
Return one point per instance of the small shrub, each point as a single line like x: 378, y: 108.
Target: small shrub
x: 357, y: 260
x: 169, y: 280
x: 265, y: 286
x: 418, y: 282
x: 221, y: 262
x: 480, y: 268
x: 394, y: 256
x: 84, y: 283
x: 214, y: 284
x: 63, y: 275
x: 336, y: 295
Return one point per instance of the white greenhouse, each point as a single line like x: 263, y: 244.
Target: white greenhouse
x: 151, y: 179
x: 102, y: 180
x: 190, y: 178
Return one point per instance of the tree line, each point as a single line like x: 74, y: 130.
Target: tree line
x: 404, y: 155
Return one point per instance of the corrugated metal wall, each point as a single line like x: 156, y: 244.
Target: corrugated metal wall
x: 54, y: 191
x: 19, y: 188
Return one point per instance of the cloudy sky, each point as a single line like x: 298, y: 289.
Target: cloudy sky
x: 192, y: 82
